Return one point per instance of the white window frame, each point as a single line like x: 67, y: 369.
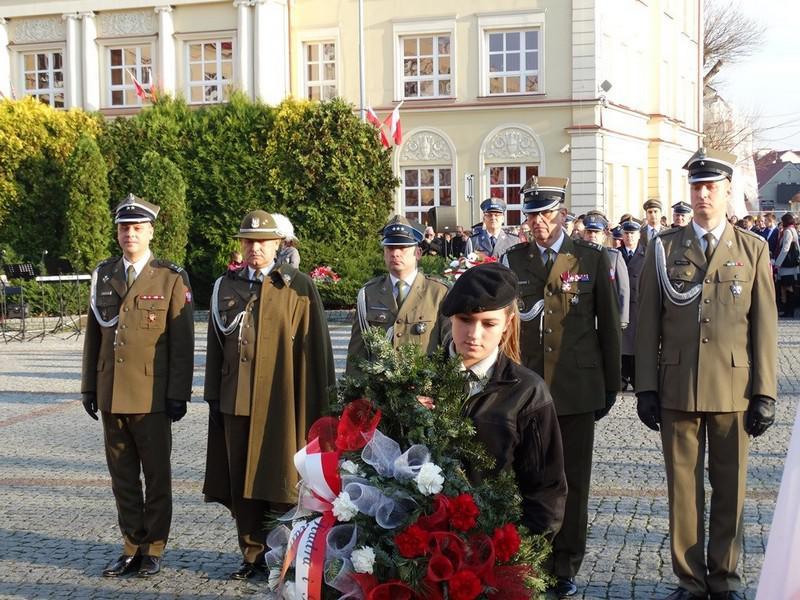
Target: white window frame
x: 419, y: 209
x: 186, y: 39
x: 106, y: 45
x: 22, y: 51
x: 493, y: 23
x: 309, y: 36
x: 401, y: 29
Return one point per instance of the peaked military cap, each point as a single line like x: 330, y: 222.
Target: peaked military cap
x: 595, y: 221
x: 489, y: 286
x: 617, y: 232
x: 708, y: 164
x: 259, y: 225
x: 543, y: 193
x: 630, y: 225
x: 651, y: 203
x: 493, y: 205
x: 570, y: 218
x: 682, y: 208
x: 135, y: 210
x: 399, y: 231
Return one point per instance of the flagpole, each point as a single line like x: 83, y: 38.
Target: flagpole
x: 361, y: 75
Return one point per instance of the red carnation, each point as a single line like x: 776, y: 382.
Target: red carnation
x: 506, y: 542
x: 357, y: 425
x: 463, y: 512
x: 412, y: 542
x: 464, y: 585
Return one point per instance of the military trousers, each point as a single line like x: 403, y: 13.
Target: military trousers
x: 685, y: 436
x: 136, y: 445
x: 569, y: 544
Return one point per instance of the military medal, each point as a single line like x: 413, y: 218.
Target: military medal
x: 736, y: 289
x: 381, y: 317
x: 419, y: 328
x: 151, y: 317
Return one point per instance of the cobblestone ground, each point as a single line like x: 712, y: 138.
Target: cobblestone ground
x: 58, y: 520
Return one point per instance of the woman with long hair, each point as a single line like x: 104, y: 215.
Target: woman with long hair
x: 510, y: 406
x: 787, y: 273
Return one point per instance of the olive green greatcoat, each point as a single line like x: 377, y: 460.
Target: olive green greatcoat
x: 717, y: 352
x: 286, y: 371
x: 579, y: 361
x: 149, y: 355
x: 417, y: 321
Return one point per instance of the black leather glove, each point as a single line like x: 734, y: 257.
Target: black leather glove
x: 649, y: 409
x: 760, y: 415
x: 611, y: 398
x: 90, y: 405
x: 175, y: 409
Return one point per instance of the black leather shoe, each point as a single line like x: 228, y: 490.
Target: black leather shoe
x: 684, y: 594
x: 123, y: 565
x: 729, y: 595
x: 249, y: 570
x: 151, y: 565
x: 565, y: 587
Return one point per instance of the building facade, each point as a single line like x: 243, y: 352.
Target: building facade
x: 605, y: 93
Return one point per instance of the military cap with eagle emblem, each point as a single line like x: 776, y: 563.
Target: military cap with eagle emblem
x: 493, y: 205
x: 682, y: 208
x: 651, y: 203
x: 400, y: 232
x: 135, y: 210
x: 259, y: 225
x: 708, y: 164
x: 543, y: 193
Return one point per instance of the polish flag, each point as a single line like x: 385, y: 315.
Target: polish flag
x: 140, y: 91
x: 376, y: 122
x: 395, y: 128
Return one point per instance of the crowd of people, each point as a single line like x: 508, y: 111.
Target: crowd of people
x: 572, y: 312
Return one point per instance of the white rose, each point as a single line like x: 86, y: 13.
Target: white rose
x: 363, y: 559
x: 348, y: 466
x: 455, y: 264
x: 343, y: 507
x: 429, y: 479
x: 289, y: 591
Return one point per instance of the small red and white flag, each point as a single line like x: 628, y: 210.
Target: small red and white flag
x: 376, y: 122
x: 140, y: 91
x: 393, y: 123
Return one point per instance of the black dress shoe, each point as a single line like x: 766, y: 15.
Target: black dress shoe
x: 123, y: 565
x: 249, y: 570
x: 565, y: 587
x: 151, y: 565
x: 684, y: 594
x: 729, y: 595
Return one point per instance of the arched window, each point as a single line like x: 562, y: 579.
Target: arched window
x: 427, y: 173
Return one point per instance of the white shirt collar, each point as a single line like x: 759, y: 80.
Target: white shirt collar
x: 409, y: 280
x: 138, y: 265
x: 717, y: 231
x: 482, y: 369
x: 251, y: 272
x: 556, y: 245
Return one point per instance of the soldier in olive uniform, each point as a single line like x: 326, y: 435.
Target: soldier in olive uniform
x: 138, y: 359
x: 652, y: 221
x: 706, y: 373
x: 269, y: 369
x: 491, y: 240
x: 571, y: 337
x: 404, y: 303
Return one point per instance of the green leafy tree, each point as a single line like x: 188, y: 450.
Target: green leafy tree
x: 87, y: 225
x: 159, y: 181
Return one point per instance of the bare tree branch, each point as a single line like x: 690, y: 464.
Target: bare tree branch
x: 728, y: 35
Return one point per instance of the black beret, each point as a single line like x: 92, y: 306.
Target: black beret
x: 489, y: 286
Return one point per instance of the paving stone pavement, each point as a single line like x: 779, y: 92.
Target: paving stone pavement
x: 58, y: 521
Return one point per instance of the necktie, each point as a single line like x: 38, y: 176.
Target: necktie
x: 711, y: 244
x: 402, y: 292
x: 130, y: 278
x: 470, y: 379
x: 260, y: 276
x: 493, y: 240
x: 549, y: 259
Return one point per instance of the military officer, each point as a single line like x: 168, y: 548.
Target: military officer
x: 681, y: 213
x: 571, y: 338
x: 269, y: 368
x: 706, y: 373
x: 634, y: 260
x: 595, y: 227
x: 652, y: 218
x: 491, y: 240
x: 404, y: 302
x: 138, y: 358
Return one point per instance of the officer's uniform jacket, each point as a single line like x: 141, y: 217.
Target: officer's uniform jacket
x: 148, y: 355
x: 619, y: 271
x: 579, y: 360
x: 417, y: 321
x: 634, y: 265
x: 719, y: 350
x: 277, y: 369
x: 481, y: 242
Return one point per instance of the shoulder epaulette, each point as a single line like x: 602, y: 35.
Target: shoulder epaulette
x: 169, y: 265
x: 109, y: 260
x: 584, y: 244
x: 750, y: 233
x: 435, y: 279
x: 671, y: 231
x: 518, y: 247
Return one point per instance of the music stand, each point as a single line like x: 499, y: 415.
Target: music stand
x: 26, y: 272
x: 56, y: 267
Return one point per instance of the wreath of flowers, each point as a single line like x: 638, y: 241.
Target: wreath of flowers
x: 461, y: 264
x: 324, y: 274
